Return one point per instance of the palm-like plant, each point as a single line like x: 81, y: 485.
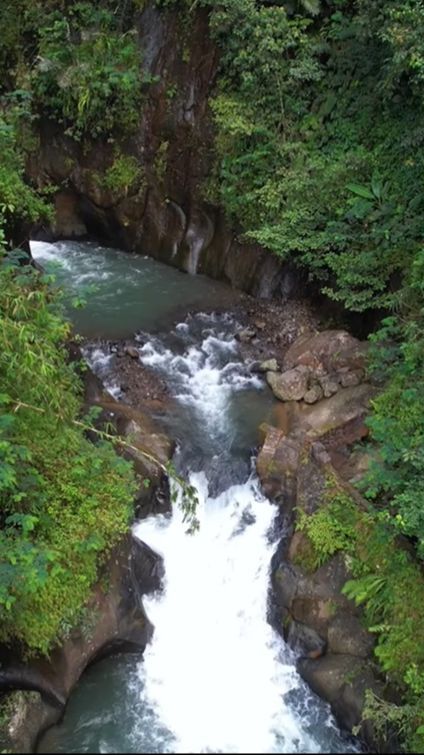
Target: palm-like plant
x: 311, y: 6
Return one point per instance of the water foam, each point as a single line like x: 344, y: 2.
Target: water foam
x: 217, y: 675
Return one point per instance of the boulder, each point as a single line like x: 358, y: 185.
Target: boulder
x: 341, y: 680
x: 329, y: 385
x: 319, y: 599
x: 313, y: 611
x: 347, y: 636
x: 312, y: 481
x: 331, y: 414
x: 326, y: 351
x: 132, y: 352
x: 277, y: 464
x: 246, y: 335
x: 290, y: 385
x: 285, y: 582
x: 353, y: 377
x: 269, y: 365
x: 157, y: 445
x: 148, y: 569
x: 304, y: 640
x: 314, y: 394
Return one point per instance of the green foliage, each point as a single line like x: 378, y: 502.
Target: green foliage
x: 18, y: 201
x: 397, y: 421
x: 64, y: 502
x: 124, y: 173
x: 330, y: 530
x: 318, y: 134
x: 79, y: 60
x: 88, y: 74
x: 388, y: 717
x: 389, y: 585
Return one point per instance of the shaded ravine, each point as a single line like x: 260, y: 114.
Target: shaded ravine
x: 216, y: 677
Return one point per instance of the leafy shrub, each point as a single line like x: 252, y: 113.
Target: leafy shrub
x: 397, y: 421
x: 18, y: 201
x: 330, y: 530
x: 123, y: 174
x: 64, y: 502
x: 315, y: 126
x: 389, y: 585
x: 88, y: 75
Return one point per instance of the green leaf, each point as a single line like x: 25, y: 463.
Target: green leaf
x: 360, y: 191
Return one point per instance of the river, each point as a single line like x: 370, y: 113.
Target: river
x: 216, y: 677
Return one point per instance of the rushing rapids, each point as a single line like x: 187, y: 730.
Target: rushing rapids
x: 216, y: 677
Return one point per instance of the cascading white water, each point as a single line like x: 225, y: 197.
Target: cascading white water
x: 217, y: 675
x: 216, y: 672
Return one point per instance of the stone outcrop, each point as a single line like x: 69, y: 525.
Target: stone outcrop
x: 277, y: 464
x: 328, y: 351
x: 114, y: 619
x: 335, y: 652
x: 317, y: 365
x: 295, y: 465
x: 290, y: 385
x: 342, y: 680
x: 143, y: 436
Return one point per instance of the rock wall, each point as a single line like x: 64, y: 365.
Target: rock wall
x: 163, y: 214
x: 306, y: 451
x: 334, y: 650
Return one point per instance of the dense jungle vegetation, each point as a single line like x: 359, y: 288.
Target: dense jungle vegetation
x: 319, y: 156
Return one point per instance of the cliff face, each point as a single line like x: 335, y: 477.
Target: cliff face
x: 163, y: 214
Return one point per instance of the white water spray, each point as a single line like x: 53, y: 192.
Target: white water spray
x: 216, y: 674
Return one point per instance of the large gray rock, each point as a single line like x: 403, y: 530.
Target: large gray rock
x: 277, y: 464
x: 314, y: 394
x: 350, y: 378
x: 148, y: 569
x: 346, y: 635
x: 329, y: 385
x: 304, y: 640
x: 313, y: 599
x: 341, y: 680
x: 143, y: 441
x: 347, y: 407
x: 285, y: 582
x: 337, y: 420
x: 289, y: 386
x: 327, y: 351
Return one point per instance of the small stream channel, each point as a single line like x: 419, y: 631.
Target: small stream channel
x: 216, y: 676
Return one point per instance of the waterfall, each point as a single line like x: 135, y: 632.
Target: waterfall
x: 217, y: 675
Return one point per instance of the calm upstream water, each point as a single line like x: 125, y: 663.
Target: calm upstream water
x: 216, y: 677
x: 123, y: 292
